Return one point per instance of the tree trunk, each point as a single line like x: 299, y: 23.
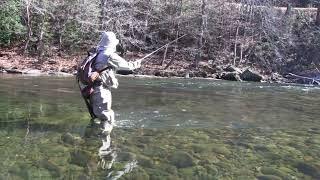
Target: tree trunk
x: 103, y: 14
x: 29, y: 29
x: 177, y: 28
x: 235, y: 45
x: 40, y: 44
x: 318, y: 15
x: 164, y: 56
x: 202, y: 29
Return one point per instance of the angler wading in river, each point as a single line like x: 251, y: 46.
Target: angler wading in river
x: 96, y: 77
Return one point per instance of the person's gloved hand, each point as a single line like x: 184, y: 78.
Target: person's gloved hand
x: 137, y: 63
x: 94, y: 76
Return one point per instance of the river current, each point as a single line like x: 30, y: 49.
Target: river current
x: 165, y: 129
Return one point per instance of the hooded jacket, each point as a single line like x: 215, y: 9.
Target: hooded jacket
x: 107, y: 54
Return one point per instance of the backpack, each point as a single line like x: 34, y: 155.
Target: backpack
x: 84, y: 71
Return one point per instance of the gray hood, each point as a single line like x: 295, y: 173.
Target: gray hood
x: 108, y: 42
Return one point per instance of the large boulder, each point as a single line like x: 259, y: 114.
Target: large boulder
x: 230, y: 76
x: 251, y: 75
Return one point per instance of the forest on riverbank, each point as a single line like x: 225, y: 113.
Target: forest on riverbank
x: 280, y: 36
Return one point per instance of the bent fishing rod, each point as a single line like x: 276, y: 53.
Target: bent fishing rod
x: 148, y: 55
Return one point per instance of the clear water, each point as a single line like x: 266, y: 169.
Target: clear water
x: 166, y: 129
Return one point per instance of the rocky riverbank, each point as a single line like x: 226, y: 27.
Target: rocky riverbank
x: 14, y: 63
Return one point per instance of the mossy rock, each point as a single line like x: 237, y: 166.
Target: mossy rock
x: 145, y: 139
x: 70, y: 139
x: 211, y: 169
x: 308, y: 169
x: 268, y: 177
x: 271, y: 156
x: 220, y: 149
x: 54, y: 170
x: 20, y: 170
x: 171, y: 169
x: 273, y: 171
x: 145, y: 161
x: 181, y: 159
x: 201, y: 148
x: 186, y: 172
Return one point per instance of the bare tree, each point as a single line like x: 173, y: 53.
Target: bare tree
x: 28, y: 23
x: 318, y: 14
x: 203, y: 26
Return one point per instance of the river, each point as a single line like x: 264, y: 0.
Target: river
x: 165, y: 129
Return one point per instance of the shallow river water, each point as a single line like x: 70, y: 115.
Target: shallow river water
x: 165, y: 129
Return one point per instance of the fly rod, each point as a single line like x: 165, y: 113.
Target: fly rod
x: 148, y: 55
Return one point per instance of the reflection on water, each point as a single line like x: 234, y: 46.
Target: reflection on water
x: 165, y: 129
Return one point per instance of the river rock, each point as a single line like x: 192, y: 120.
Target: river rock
x: 65, y: 70
x: 268, y: 177
x: 231, y: 68
x: 54, y: 170
x: 251, y: 75
x: 14, y: 71
x: 181, y: 159
x: 80, y: 158
x: 220, y: 149
x: 68, y: 138
x: 272, y: 171
x: 230, y: 76
x: 145, y: 161
x: 308, y: 169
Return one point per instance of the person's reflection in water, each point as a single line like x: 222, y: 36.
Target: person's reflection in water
x: 108, y: 157
x: 107, y: 153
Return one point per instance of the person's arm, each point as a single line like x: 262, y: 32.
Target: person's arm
x: 121, y: 64
x: 108, y: 78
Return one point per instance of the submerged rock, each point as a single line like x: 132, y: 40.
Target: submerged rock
x: 68, y: 138
x: 268, y: 177
x: 181, y: 159
x: 54, y: 170
x: 80, y: 158
x: 220, y: 149
x: 308, y: 169
x: 272, y: 171
x: 145, y: 161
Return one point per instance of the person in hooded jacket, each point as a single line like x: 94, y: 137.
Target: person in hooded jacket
x: 107, y: 61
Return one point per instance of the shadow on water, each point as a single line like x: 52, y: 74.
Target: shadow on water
x: 166, y: 129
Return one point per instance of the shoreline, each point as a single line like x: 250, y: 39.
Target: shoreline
x: 11, y: 62
x: 140, y: 76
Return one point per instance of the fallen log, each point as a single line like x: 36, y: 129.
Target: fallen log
x: 313, y: 80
